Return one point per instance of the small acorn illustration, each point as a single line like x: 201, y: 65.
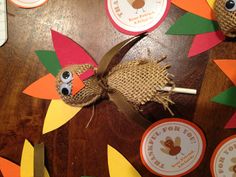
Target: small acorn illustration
x: 137, y: 4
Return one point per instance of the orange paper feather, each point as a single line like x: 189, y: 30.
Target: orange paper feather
x: 197, y: 7
x: 44, y: 88
x: 8, y: 168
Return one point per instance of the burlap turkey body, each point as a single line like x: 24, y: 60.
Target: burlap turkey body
x: 226, y: 19
x: 139, y: 81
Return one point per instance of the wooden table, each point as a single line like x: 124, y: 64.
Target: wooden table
x: 73, y: 150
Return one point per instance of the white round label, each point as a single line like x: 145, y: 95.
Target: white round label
x: 28, y: 3
x: 223, y: 161
x: 136, y: 16
x: 172, y: 147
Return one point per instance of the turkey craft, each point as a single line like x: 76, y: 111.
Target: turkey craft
x: 209, y: 22
x: 138, y: 81
x: 228, y: 97
x: 77, y: 81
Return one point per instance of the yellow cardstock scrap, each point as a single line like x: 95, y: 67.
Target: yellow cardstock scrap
x: 211, y: 3
x: 119, y: 166
x: 27, y: 161
x: 58, y: 114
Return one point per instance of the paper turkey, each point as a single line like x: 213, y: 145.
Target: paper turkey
x: 228, y: 96
x: 208, y: 21
x: 77, y: 80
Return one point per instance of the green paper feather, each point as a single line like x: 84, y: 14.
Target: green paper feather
x: 190, y: 24
x: 227, y: 97
x: 49, y: 60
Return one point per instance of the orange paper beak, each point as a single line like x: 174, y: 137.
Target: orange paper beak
x: 77, y: 84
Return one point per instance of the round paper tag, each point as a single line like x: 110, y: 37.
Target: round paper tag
x: 28, y: 3
x: 172, y: 147
x: 135, y: 16
x: 223, y: 161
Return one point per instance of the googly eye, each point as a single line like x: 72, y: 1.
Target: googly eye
x: 230, y: 5
x: 65, y: 89
x: 66, y: 76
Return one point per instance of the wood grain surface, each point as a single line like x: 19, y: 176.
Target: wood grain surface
x: 73, y: 150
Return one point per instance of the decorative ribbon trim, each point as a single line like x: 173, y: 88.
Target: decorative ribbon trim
x: 112, y: 58
x: 39, y: 160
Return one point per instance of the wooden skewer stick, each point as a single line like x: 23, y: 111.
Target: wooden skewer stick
x: 180, y: 90
x: 3, y: 22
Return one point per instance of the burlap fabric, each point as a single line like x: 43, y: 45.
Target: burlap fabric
x: 139, y: 81
x: 225, y: 18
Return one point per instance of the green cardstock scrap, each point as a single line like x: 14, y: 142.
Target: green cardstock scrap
x: 227, y: 97
x: 49, y: 60
x: 191, y: 24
